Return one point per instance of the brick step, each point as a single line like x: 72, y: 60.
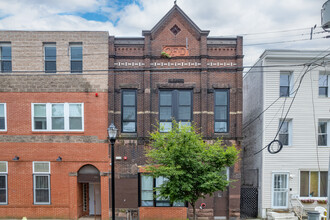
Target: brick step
x: 201, y: 213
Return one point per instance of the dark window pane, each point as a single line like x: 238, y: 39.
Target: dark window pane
x: 40, y: 123
x: 304, y: 183
x: 2, y: 182
x: 322, y: 140
x: 220, y: 113
x: 76, y: 66
x: 128, y: 98
x: 5, y: 53
x: 284, y: 139
x: 322, y: 127
x: 220, y: 127
x: 184, y: 98
x: 323, y: 184
x: 2, y: 123
x: 165, y: 98
x: 41, y: 182
x: 284, y: 91
x: 323, y: 91
x: 284, y: 79
x: 165, y: 113
x: 57, y: 123
x: 184, y: 113
x: 5, y: 66
x: 50, y: 66
x: 3, y: 196
x: 221, y: 98
x: 42, y: 195
x: 75, y: 123
x: 76, y: 53
x: 50, y: 53
x: 129, y: 113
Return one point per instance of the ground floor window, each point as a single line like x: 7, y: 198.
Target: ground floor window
x: 3, y: 183
x: 148, y: 197
x: 313, y: 183
x: 41, y: 182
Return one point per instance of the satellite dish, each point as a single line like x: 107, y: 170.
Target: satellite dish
x: 325, y: 15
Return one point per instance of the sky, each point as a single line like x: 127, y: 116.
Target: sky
x: 264, y: 24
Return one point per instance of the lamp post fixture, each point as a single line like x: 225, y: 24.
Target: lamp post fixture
x: 112, y: 133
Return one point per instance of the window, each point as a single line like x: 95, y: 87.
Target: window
x: 175, y: 104
x: 285, y: 132
x: 3, y: 121
x: 50, y: 58
x: 149, y: 196
x: 221, y: 111
x: 5, y: 58
x: 3, y: 183
x: 323, y: 133
x: 128, y: 117
x: 76, y: 57
x: 58, y: 116
x: 41, y: 182
x: 313, y: 183
x: 285, y: 84
x: 323, y: 85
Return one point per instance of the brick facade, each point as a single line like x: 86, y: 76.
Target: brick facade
x: 27, y: 84
x: 208, y: 64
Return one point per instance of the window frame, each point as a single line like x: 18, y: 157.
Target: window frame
x: 327, y: 132
x: 76, y: 44
x: 6, y: 44
x: 45, y: 60
x: 5, y: 116
x: 309, y: 179
x: 49, y: 118
x: 5, y: 174
x: 35, y: 175
x: 289, y: 121
x: 175, y: 106
x: 122, y: 110
x: 290, y: 83
x: 228, y: 109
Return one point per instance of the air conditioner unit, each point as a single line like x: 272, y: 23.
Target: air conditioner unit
x: 325, y: 15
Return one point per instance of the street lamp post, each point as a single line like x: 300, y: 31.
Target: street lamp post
x: 112, y: 132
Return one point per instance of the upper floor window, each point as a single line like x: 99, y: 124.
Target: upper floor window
x: 5, y: 57
x: 58, y: 116
x: 76, y: 57
x: 285, y: 84
x: 3, y: 183
x: 41, y: 182
x: 323, y: 85
x: 175, y: 104
x: 285, y: 134
x: 128, y: 111
x: 221, y: 111
x: 50, y: 57
x: 313, y: 183
x: 323, y: 133
x: 3, y: 121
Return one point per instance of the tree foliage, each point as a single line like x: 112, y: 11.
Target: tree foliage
x: 193, y: 167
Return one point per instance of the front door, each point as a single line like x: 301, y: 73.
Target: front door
x: 94, y: 199
x: 280, y: 190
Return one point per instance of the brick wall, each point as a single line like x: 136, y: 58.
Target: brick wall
x: 162, y: 213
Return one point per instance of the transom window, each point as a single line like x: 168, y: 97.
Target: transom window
x: 5, y: 58
x: 313, y: 183
x: 285, y: 84
x: 3, y: 121
x: 58, y: 116
x: 41, y: 182
x: 3, y: 183
x: 76, y: 57
x: 129, y: 111
x: 221, y: 111
x: 175, y: 104
x: 50, y: 57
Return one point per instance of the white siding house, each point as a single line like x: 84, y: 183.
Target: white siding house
x: 299, y: 170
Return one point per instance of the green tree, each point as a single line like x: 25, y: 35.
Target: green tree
x: 194, y: 168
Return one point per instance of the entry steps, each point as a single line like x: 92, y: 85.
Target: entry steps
x: 281, y: 216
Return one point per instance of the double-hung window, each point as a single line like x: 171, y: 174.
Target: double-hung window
x: 323, y: 85
x: 323, y: 133
x: 128, y: 111
x: 5, y: 57
x: 285, y: 84
x: 3, y: 183
x: 175, y: 104
x: 58, y: 117
x: 149, y: 196
x: 221, y: 111
x: 313, y: 183
x: 3, y: 121
x: 41, y: 182
x: 285, y: 134
x: 50, y: 57
x: 76, y: 53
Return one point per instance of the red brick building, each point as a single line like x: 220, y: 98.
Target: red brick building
x: 54, y: 160
x: 199, y: 80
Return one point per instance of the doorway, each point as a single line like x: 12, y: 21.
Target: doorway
x: 280, y: 190
x: 94, y: 199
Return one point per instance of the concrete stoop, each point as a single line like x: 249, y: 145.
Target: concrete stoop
x: 281, y: 216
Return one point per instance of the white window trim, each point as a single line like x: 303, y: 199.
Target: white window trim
x: 291, y: 82
x: 5, y: 174
x: 288, y: 187
x: 5, y: 113
x: 66, y: 117
x: 6, y: 167
x: 289, y: 131
x: 328, y: 132
x: 35, y: 162
x: 34, y: 189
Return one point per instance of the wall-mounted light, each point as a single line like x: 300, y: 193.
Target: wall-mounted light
x: 59, y: 159
x: 16, y: 158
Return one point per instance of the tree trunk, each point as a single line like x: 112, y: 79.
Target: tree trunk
x: 194, y: 211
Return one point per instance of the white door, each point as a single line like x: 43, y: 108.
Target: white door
x: 280, y: 190
x: 94, y: 199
